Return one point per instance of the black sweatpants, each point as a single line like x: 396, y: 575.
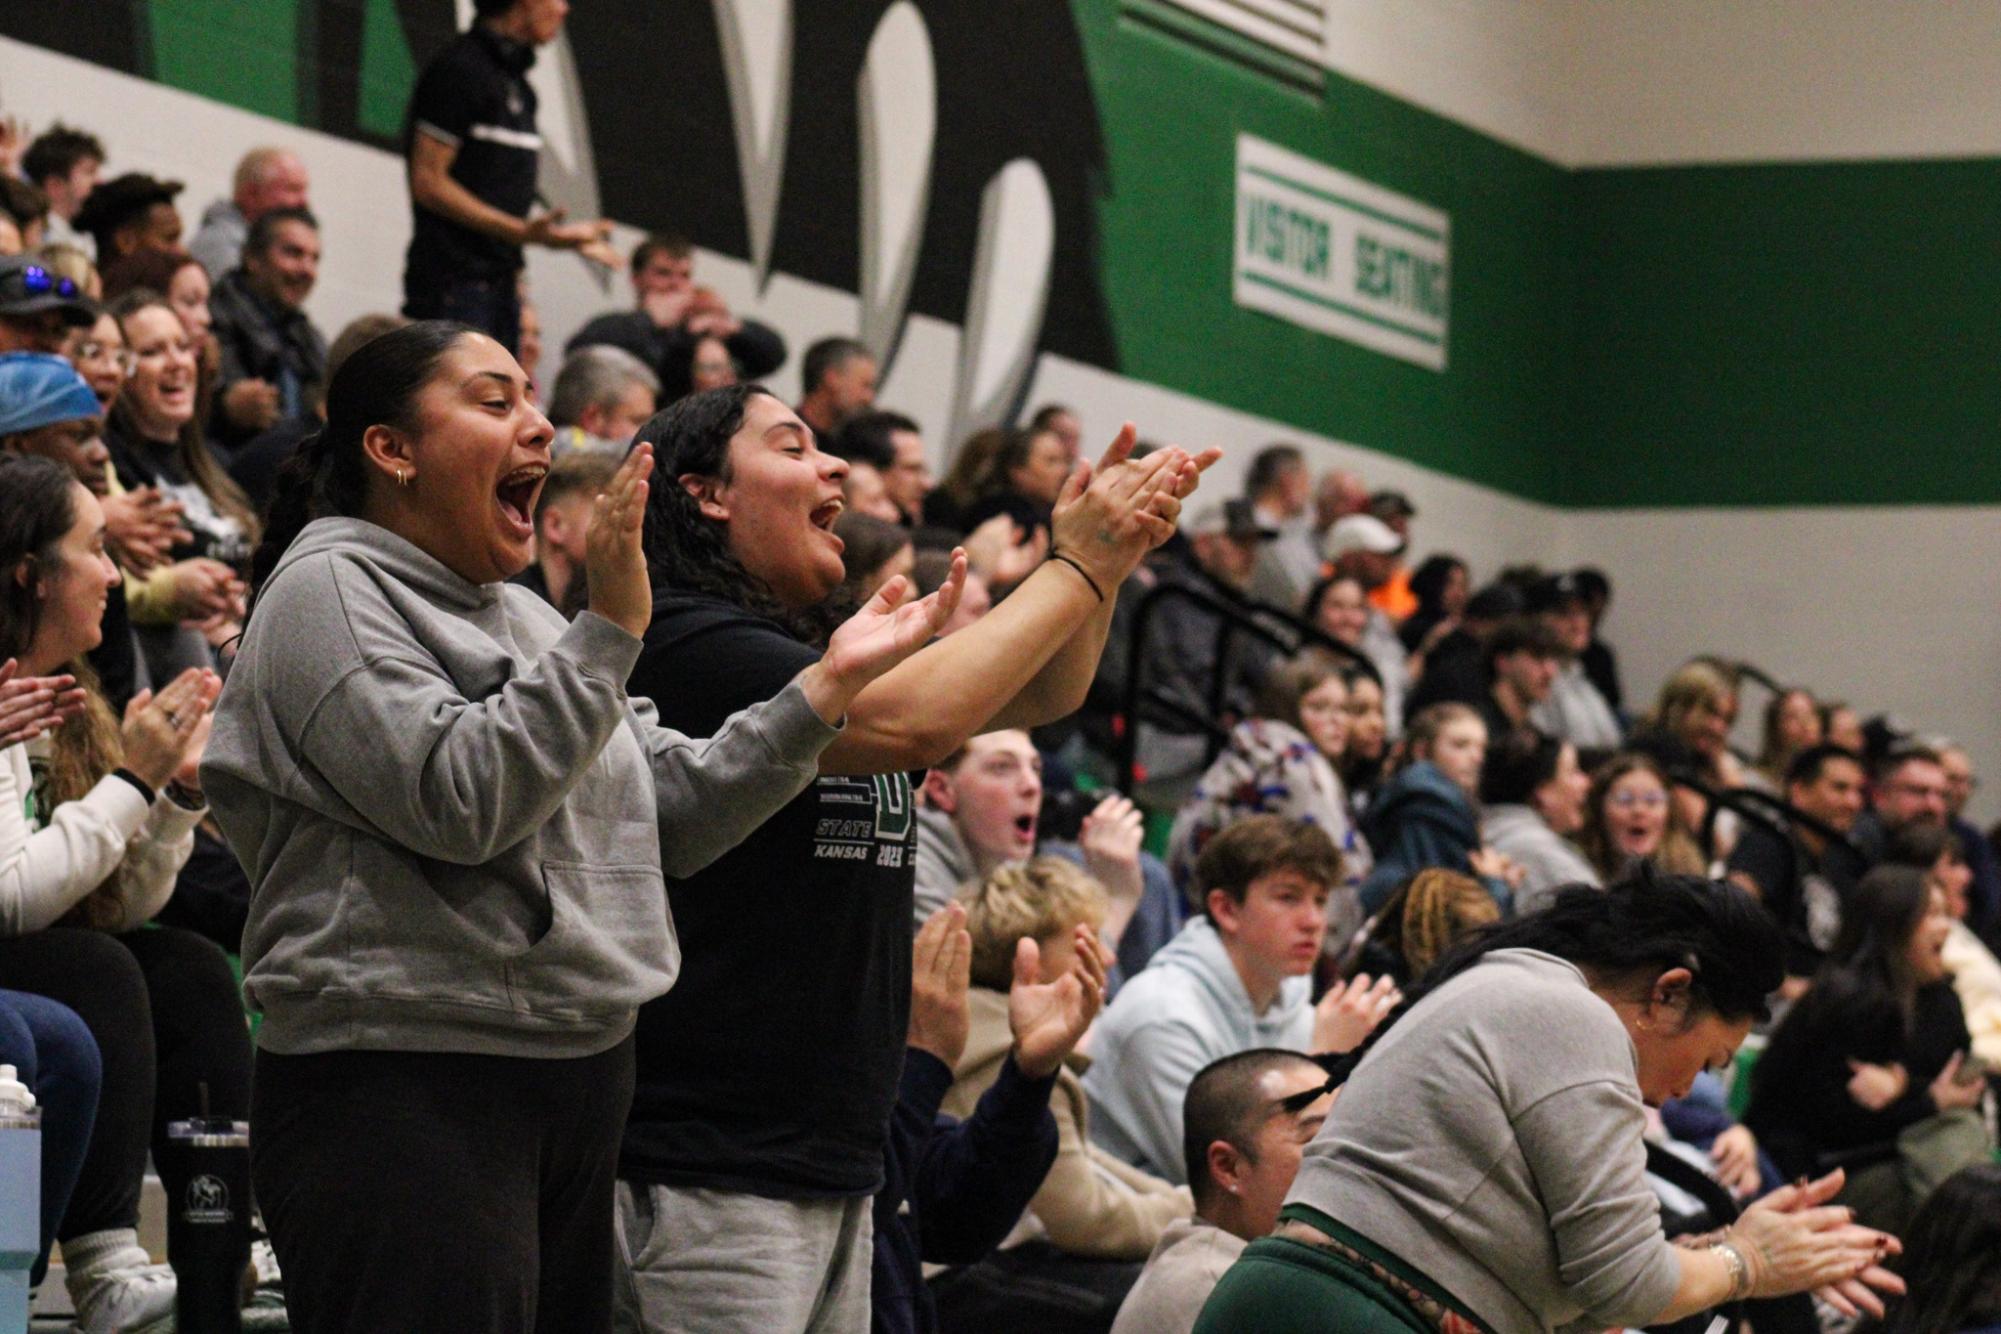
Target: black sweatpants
x: 163, y: 1007
x: 427, y: 1191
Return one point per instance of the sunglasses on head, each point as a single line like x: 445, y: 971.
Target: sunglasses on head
x: 40, y: 282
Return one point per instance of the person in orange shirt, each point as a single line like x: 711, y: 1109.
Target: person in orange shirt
x: 1393, y: 596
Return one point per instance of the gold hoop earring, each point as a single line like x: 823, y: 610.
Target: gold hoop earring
x: 402, y: 478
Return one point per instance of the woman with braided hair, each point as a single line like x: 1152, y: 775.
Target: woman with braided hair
x: 1484, y: 1168
x: 1419, y: 925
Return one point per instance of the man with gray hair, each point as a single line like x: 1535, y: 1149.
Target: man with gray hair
x: 267, y: 179
x: 602, y: 396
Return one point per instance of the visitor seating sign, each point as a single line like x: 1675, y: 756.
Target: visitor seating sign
x: 1341, y: 255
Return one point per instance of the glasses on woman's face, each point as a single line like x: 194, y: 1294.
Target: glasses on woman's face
x: 1639, y: 801
x: 122, y: 357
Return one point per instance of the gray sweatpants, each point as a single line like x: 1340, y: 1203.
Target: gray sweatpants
x: 723, y: 1262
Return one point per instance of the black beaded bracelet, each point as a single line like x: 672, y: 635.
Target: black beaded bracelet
x: 1082, y: 573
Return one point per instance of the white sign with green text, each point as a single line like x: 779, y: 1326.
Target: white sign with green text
x: 1340, y: 255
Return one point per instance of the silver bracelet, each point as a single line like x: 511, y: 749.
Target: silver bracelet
x: 1740, y: 1272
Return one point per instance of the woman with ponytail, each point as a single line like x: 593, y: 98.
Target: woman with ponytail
x: 456, y: 827
x: 96, y: 819
x: 1484, y: 1169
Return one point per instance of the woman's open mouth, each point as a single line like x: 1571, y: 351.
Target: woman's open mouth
x: 823, y: 517
x: 1024, y: 829
x: 516, y: 497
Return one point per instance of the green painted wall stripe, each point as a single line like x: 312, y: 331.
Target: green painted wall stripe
x: 1368, y: 210
x: 245, y: 54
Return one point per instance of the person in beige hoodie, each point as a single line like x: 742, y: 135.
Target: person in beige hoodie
x: 1091, y: 1205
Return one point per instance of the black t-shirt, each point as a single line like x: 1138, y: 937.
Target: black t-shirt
x: 474, y: 96
x: 1804, y: 893
x: 772, y: 1065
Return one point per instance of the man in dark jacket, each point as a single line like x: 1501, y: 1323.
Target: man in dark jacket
x: 273, y: 359
x: 674, y: 315
x: 952, y: 1190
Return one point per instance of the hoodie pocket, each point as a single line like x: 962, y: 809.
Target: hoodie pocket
x: 609, y: 946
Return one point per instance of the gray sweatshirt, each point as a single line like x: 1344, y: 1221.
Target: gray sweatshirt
x: 1493, y: 1140
x: 1186, y: 1008
x: 453, y: 820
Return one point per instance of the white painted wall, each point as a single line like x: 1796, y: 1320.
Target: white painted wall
x: 1891, y: 608
x: 1631, y: 82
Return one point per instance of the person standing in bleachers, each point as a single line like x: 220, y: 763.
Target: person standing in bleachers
x: 472, y: 149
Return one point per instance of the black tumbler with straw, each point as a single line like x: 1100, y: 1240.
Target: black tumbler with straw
x: 208, y: 1228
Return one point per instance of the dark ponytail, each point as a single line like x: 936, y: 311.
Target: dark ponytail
x: 1647, y: 924
x: 328, y: 475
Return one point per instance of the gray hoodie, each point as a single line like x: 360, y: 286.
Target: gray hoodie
x: 453, y: 820
x: 944, y: 862
x: 1186, y: 1008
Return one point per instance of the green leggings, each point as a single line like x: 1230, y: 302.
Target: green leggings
x: 1281, y: 1286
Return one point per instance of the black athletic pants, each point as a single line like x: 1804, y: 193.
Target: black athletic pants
x: 426, y: 1191
x: 164, y: 1009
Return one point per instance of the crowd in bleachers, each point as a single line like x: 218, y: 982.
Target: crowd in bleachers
x: 1206, y: 804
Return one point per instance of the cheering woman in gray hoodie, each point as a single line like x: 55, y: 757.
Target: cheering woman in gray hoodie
x: 455, y: 824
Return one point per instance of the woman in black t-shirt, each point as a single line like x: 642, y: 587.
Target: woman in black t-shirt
x: 766, y: 1076
x: 1865, y: 1070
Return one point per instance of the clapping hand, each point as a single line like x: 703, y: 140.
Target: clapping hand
x: 1048, y: 1019
x: 1845, y: 1258
x: 1109, y: 516
x: 1110, y: 839
x: 614, y: 556
x: 941, y: 961
x: 888, y: 629
x: 32, y: 705
x: 162, y: 731
x: 143, y: 527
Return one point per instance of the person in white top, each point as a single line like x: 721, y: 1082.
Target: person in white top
x: 97, y: 818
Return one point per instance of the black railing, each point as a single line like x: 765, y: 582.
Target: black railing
x: 1140, y: 704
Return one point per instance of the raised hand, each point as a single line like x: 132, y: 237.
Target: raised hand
x: 875, y: 639
x: 1109, y: 516
x: 1350, y: 1011
x: 941, y: 961
x: 1048, y: 1019
x: 1110, y: 839
x: 1003, y: 553
x: 32, y: 705
x: 614, y: 556
x: 667, y: 309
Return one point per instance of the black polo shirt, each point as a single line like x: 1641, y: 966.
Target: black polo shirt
x: 474, y: 96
